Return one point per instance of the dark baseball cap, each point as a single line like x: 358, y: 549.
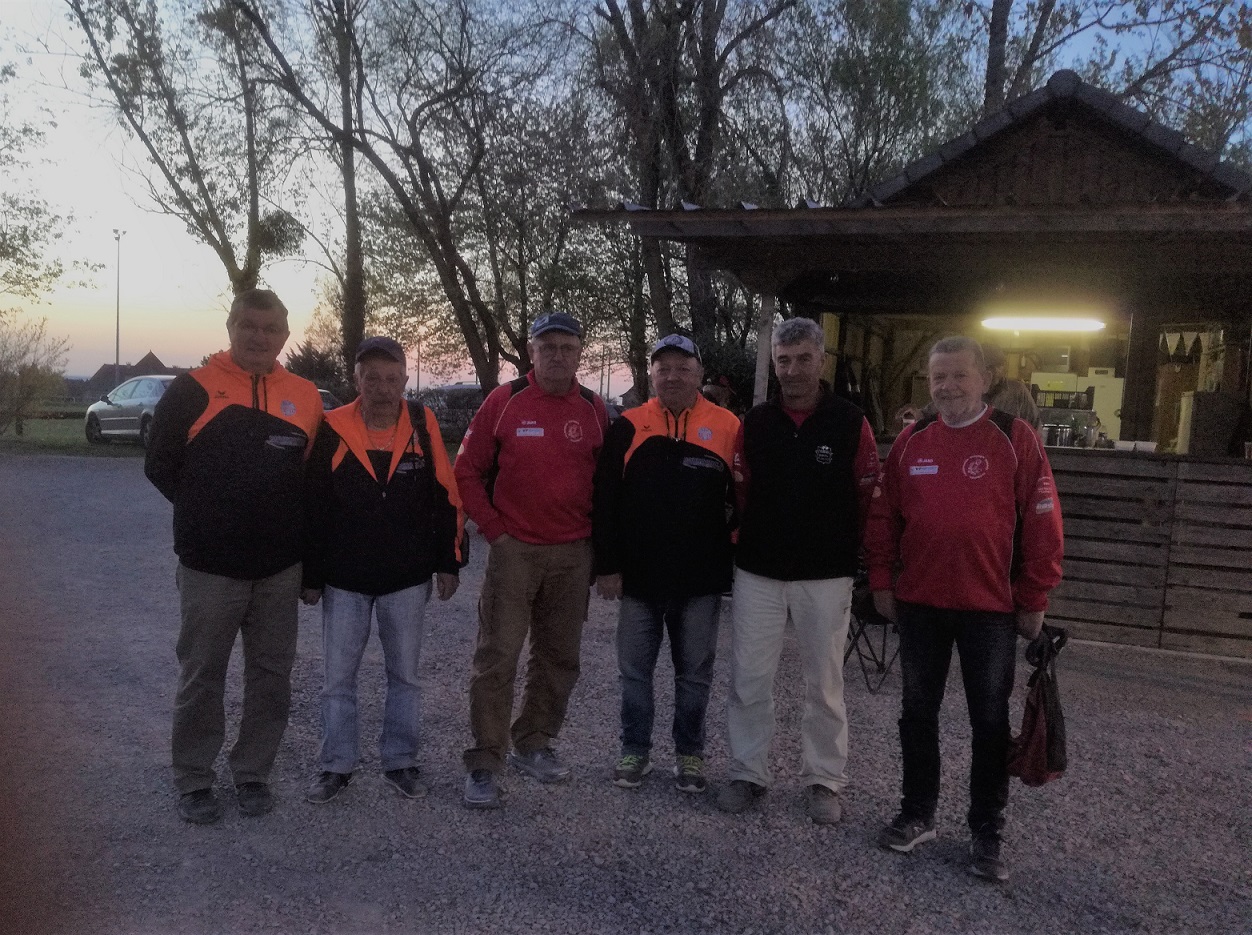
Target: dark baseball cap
x: 556, y: 321
x: 386, y: 347
x: 675, y: 342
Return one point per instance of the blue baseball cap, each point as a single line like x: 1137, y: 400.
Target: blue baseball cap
x: 556, y: 321
x: 675, y: 342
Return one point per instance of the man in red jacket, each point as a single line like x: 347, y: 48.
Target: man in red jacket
x: 525, y: 476
x: 974, y: 483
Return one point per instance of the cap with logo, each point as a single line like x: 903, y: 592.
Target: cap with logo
x: 556, y: 321
x: 675, y: 342
x: 381, y: 346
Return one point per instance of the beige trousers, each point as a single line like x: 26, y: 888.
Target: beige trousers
x: 819, y: 611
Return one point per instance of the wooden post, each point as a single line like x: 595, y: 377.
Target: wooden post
x: 764, y: 331
x: 1139, y: 390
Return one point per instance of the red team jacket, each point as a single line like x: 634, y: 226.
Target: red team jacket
x: 970, y: 515
x: 527, y: 462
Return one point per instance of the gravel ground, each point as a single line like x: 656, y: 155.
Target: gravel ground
x: 1147, y: 833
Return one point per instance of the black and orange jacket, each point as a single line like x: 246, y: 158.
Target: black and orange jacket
x: 380, y: 521
x: 663, y: 508
x: 228, y: 450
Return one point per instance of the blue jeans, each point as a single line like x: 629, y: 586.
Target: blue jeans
x: 692, y: 627
x: 987, y: 645
x: 345, y: 631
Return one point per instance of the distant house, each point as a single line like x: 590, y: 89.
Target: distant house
x: 104, y: 379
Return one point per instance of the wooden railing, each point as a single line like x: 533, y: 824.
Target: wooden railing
x: 1158, y: 550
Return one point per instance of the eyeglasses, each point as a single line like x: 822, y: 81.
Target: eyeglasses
x: 270, y: 331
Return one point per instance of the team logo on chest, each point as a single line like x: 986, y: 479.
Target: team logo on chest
x: 704, y: 433
x: 975, y: 466
x: 823, y: 454
x: 574, y: 430
x: 288, y: 407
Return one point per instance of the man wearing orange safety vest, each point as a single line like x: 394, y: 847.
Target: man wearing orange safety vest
x: 384, y: 519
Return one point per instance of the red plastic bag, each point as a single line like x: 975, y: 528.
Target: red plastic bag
x: 1037, y: 755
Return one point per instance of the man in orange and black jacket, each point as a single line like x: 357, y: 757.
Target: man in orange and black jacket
x: 661, y: 526
x: 384, y: 520
x: 228, y: 449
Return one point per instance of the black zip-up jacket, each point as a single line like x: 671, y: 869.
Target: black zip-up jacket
x: 807, y: 490
x: 380, y: 521
x: 228, y: 450
x: 663, y: 505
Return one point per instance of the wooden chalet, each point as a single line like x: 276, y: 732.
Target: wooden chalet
x: 1067, y: 199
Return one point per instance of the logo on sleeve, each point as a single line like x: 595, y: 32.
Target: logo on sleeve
x: 574, y: 430
x: 975, y: 466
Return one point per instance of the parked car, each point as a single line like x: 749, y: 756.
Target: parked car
x: 454, y: 405
x: 329, y: 400
x: 126, y: 412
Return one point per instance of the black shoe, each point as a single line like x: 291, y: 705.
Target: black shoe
x: 738, y: 795
x: 254, y: 798
x: 905, y: 833
x: 984, y: 858
x: 406, y: 782
x: 200, y: 807
x: 327, y: 786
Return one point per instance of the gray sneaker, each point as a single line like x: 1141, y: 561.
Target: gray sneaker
x: 738, y: 795
x: 541, y: 764
x: 985, y: 860
x: 481, y: 790
x: 904, y: 833
x: 822, y: 804
x: 689, y: 774
x: 630, y: 771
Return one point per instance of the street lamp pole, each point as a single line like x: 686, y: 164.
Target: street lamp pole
x: 117, y: 336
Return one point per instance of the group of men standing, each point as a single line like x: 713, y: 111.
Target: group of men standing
x: 665, y: 510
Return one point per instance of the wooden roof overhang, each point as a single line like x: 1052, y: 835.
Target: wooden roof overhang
x: 920, y: 259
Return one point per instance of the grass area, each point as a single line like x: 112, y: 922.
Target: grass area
x: 61, y: 436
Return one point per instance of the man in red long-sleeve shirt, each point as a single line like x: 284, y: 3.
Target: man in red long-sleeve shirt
x: 967, y: 512
x: 525, y: 476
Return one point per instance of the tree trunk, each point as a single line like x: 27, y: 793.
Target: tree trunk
x: 352, y: 321
x: 997, y: 51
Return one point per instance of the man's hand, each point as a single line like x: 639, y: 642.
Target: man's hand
x: 446, y: 584
x: 311, y: 596
x: 609, y: 587
x: 1029, y: 623
x: 885, y: 604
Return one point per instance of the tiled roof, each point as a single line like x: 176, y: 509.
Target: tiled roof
x: 1064, y: 85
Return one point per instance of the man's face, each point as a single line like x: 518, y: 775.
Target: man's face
x: 556, y: 356
x: 957, y: 385
x: 257, y: 337
x: 799, y: 368
x: 381, y: 382
x: 676, y: 379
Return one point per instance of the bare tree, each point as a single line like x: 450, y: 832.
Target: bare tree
x: 1144, y: 51
x: 669, y: 67
x: 183, y: 80
x: 432, y: 78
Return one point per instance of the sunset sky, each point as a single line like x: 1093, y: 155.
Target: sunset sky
x: 174, y: 291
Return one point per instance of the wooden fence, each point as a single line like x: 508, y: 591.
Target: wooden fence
x: 1158, y: 550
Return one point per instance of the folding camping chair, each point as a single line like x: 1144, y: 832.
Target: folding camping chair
x: 875, y: 651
